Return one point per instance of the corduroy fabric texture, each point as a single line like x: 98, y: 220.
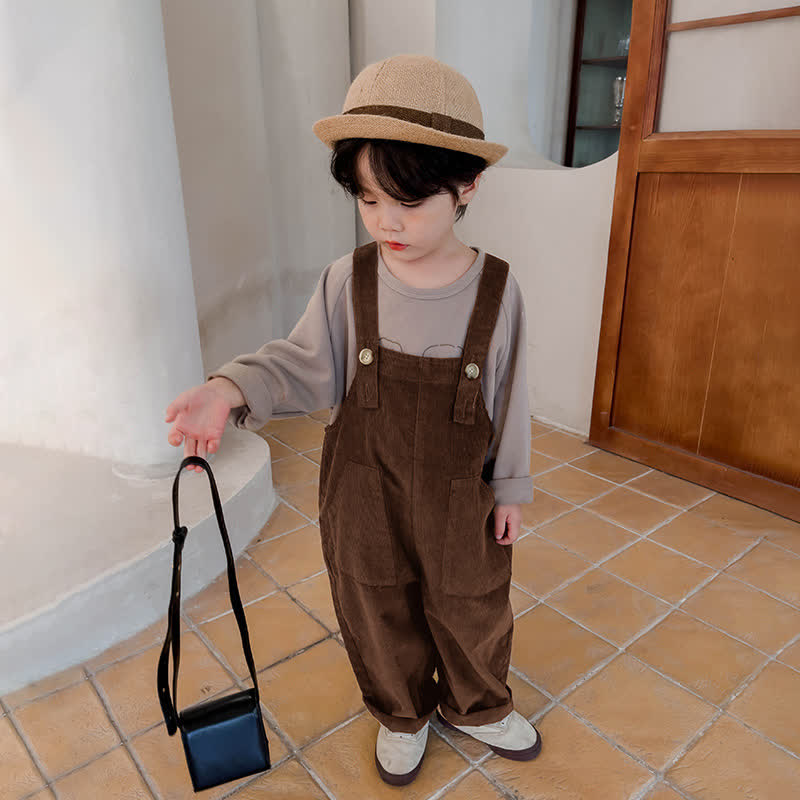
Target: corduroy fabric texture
x: 412, y: 98
x: 417, y: 579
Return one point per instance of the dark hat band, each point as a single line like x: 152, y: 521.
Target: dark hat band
x: 437, y: 122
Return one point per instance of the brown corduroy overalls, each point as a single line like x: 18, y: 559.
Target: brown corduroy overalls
x: 417, y: 579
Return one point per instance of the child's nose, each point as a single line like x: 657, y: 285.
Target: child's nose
x: 390, y: 219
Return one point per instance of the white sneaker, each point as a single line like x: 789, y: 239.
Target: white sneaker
x: 512, y: 737
x: 398, y: 756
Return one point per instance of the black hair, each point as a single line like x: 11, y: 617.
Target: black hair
x: 406, y: 171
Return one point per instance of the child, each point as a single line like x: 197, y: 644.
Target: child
x: 430, y: 427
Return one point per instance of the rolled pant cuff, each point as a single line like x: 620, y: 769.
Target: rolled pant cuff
x: 399, y: 724
x: 484, y: 717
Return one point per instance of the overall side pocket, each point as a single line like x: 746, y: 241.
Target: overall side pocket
x: 472, y: 563
x: 357, y: 515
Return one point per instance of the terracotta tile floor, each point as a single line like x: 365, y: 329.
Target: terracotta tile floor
x: 656, y: 647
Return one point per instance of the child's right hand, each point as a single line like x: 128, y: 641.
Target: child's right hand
x: 199, y: 415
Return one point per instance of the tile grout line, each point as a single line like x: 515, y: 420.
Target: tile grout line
x: 275, y: 728
x: 124, y: 739
x: 275, y: 591
x: 505, y: 792
x: 238, y: 682
x: 229, y: 668
x: 647, y: 537
x: 28, y: 745
x: 52, y: 785
x: 673, y: 606
x: 132, y: 654
x: 473, y: 765
x: 476, y: 766
x: 643, y: 632
x: 756, y: 539
x: 639, y: 537
x: 615, y: 485
x: 292, y: 750
x: 583, y: 507
x: 279, y: 535
x: 627, y: 485
x: 285, y: 589
x: 438, y: 793
x: 721, y: 709
x: 558, y: 701
x: 90, y: 676
x: 452, y: 783
x: 572, y: 462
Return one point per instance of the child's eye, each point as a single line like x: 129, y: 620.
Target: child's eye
x: 405, y: 205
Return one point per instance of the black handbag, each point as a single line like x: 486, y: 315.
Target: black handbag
x: 224, y: 738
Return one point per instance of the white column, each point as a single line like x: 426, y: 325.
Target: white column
x: 98, y: 324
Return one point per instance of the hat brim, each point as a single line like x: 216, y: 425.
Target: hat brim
x: 373, y: 126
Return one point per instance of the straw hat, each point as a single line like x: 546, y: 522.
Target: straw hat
x: 412, y: 98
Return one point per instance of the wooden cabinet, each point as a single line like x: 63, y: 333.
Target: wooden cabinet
x: 600, y: 56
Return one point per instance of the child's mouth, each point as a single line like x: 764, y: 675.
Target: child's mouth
x: 396, y: 246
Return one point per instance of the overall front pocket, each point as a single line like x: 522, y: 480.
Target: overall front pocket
x: 356, y: 513
x: 472, y: 562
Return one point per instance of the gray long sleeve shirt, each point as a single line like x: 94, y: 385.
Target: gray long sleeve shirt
x: 314, y: 366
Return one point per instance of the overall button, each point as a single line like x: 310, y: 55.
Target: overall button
x: 365, y: 356
x: 472, y: 371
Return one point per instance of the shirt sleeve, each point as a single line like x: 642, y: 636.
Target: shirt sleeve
x: 511, y: 481
x: 292, y: 376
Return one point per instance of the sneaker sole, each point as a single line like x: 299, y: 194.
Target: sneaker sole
x: 528, y: 754
x: 398, y: 780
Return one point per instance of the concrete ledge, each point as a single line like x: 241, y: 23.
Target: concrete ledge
x: 127, y: 594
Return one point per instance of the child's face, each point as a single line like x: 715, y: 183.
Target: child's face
x: 425, y: 226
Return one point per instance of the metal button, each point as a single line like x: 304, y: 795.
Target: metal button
x: 472, y: 371
x: 365, y: 356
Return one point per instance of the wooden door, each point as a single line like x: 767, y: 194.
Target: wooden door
x: 698, y: 367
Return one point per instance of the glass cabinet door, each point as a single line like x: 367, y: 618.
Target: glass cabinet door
x: 602, y: 42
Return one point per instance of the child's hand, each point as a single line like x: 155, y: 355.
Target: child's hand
x: 511, y: 516
x: 200, y: 414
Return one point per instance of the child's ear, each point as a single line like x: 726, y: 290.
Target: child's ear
x: 468, y: 190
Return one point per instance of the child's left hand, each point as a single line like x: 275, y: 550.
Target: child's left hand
x: 507, y: 520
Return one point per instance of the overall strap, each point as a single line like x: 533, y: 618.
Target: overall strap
x: 173, y: 638
x: 479, y: 335
x: 365, y: 310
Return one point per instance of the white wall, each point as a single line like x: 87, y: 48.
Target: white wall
x: 248, y: 80
x: 552, y: 224
x: 516, y: 54
x: 552, y: 35
x: 380, y: 29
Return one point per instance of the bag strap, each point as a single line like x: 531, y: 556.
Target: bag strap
x: 169, y: 706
